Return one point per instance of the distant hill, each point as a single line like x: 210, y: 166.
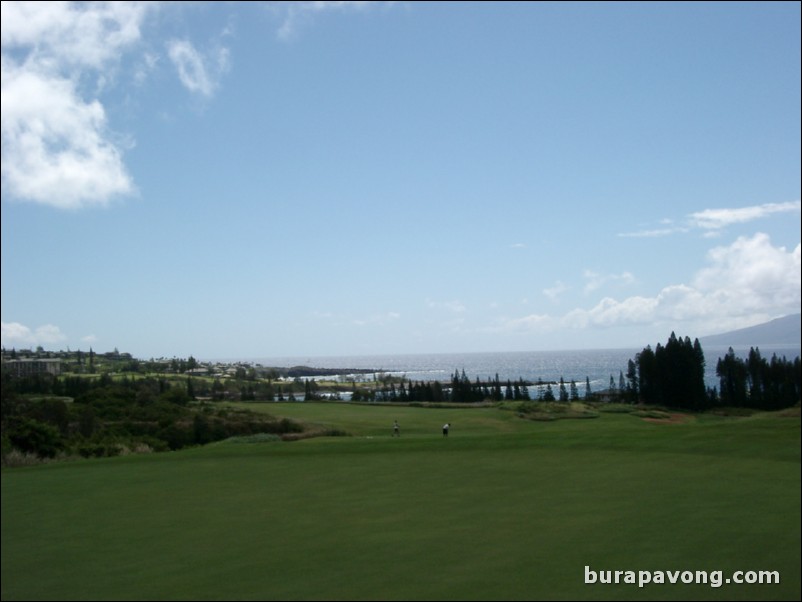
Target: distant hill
x: 782, y: 331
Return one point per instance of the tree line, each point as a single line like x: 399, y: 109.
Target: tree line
x: 109, y: 414
x: 673, y: 375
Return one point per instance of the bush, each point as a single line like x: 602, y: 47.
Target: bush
x: 34, y: 437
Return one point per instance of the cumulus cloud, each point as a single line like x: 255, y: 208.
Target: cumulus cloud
x: 198, y: 73
x: 751, y: 275
x: 743, y: 283
x: 56, y: 145
x: 74, y: 33
x: 14, y: 334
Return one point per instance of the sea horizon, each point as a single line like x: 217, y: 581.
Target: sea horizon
x: 579, y: 365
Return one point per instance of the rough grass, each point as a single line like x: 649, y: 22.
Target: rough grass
x: 503, y: 508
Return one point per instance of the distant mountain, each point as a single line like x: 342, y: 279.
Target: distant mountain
x: 782, y: 331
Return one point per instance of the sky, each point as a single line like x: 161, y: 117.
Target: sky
x: 265, y: 179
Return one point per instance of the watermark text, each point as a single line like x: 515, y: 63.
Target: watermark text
x: 711, y: 578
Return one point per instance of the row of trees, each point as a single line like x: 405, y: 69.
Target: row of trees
x: 462, y: 390
x: 757, y: 382
x: 673, y: 375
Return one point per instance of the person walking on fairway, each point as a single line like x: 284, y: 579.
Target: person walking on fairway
x: 446, y: 426
x: 396, y: 429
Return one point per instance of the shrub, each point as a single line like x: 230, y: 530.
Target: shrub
x: 34, y: 437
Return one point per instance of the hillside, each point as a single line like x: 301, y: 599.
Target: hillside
x: 782, y: 331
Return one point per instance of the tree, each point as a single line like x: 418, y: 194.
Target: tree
x: 632, y: 382
x: 673, y: 375
x: 647, y: 374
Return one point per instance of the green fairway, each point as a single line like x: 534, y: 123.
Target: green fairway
x: 504, y: 508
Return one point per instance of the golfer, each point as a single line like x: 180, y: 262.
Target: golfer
x: 396, y: 429
x: 446, y: 426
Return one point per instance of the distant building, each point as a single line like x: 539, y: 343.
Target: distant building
x: 32, y: 367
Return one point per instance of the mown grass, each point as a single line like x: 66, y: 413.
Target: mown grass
x: 504, y: 508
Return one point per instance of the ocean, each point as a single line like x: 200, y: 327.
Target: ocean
x: 596, y: 365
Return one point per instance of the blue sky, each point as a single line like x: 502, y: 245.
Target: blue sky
x: 343, y: 178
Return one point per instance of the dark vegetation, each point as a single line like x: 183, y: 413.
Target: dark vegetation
x: 673, y: 376
x: 49, y: 416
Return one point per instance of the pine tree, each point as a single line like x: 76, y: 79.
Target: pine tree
x: 574, y: 391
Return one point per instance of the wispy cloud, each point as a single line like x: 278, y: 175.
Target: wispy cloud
x: 56, y: 145
x: 454, y: 306
x: 713, y: 221
x: 555, y: 291
x: 198, y: 72
x: 377, y: 319
x: 14, y: 334
x: 295, y: 13
x: 655, y: 233
x: 595, y: 280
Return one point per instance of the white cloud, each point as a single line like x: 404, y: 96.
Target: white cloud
x: 751, y: 275
x: 744, y: 283
x: 87, y: 35
x: 14, y: 334
x: 714, y: 219
x: 197, y: 72
x: 56, y: 145
x: 145, y: 67
x: 555, y: 291
x: 294, y: 12
x: 656, y: 233
x: 595, y: 280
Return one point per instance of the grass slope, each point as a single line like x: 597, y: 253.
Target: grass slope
x: 503, y: 509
